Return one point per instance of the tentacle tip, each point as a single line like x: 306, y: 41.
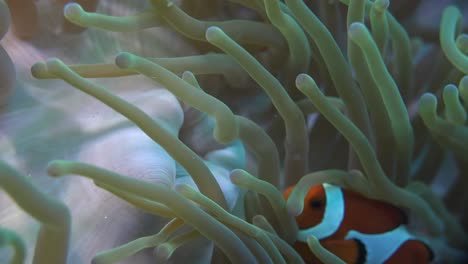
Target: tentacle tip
x: 236, y: 176
x: 356, y: 30
x: 381, y: 5
x: 55, y: 169
x: 293, y: 208
x: 162, y: 253
x: 428, y: 98
x: 356, y: 173
x: 300, y: 79
x: 72, y: 11
x: 305, y: 83
x: 452, y: 8
x: 188, y: 75
x: 124, y: 60
x: 450, y: 89
x: 303, y: 78
x: 427, y: 106
x: 39, y: 70
x: 213, y: 34
x: 43, y: 70
x: 257, y: 218
x: 463, y: 83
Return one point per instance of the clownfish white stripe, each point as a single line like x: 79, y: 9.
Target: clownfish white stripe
x: 380, y: 247
x: 332, y: 218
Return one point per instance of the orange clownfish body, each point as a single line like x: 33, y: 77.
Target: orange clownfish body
x: 356, y: 229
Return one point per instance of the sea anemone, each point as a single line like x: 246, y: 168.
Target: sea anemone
x: 332, y: 92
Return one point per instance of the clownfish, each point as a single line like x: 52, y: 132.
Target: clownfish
x: 356, y: 229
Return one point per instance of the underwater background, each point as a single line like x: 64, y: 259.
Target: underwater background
x: 235, y: 115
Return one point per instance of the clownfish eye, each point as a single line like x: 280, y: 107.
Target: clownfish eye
x: 316, y: 204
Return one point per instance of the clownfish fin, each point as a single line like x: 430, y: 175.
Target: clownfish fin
x: 412, y: 252
x: 350, y: 251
